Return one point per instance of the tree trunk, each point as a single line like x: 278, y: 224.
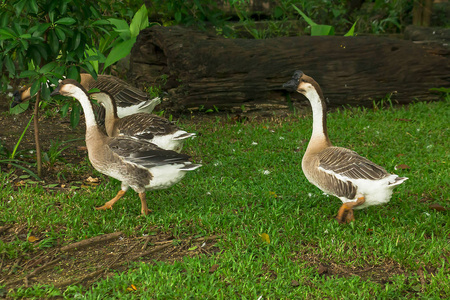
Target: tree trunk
x: 201, y: 70
x: 36, y: 135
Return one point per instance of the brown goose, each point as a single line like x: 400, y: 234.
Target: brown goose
x: 129, y: 100
x: 152, y: 128
x: 136, y: 163
x: 341, y: 172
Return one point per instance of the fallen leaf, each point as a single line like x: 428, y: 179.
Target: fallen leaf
x: 322, y: 269
x: 437, y: 207
x: 402, y: 167
x: 192, y: 248
x: 400, y: 154
x: 32, y: 239
x: 133, y: 287
x: 213, y: 268
x: 90, y: 179
x: 265, y: 237
x: 295, y: 283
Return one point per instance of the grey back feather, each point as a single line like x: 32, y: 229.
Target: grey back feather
x: 350, y: 164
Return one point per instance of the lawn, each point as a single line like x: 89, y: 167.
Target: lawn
x: 267, y: 232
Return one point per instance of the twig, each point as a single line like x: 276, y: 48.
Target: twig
x: 15, y: 265
x: 120, y: 255
x: 91, y: 241
x: 37, y: 270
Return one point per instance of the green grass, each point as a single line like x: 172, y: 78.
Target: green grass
x: 251, y: 183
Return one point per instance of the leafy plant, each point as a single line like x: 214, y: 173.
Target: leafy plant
x: 317, y: 29
x: 51, y: 39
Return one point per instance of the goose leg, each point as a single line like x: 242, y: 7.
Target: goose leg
x: 110, y: 203
x: 144, y: 208
x: 345, y: 213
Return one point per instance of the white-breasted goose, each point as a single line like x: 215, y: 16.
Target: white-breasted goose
x: 337, y: 171
x: 129, y: 99
x: 136, y: 163
x: 152, y: 128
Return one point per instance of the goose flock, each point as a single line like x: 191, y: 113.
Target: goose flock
x: 143, y: 150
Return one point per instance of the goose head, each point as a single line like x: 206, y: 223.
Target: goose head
x: 69, y: 88
x: 20, y: 96
x: 105, y: 100
x: 305, y: 85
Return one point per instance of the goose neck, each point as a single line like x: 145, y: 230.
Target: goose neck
x: 87, y: 107
x: 319, y: 136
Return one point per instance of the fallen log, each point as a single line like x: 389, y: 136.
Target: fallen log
x: 203, y: 70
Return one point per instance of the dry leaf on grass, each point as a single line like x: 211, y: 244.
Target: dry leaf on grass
x: 32, y: 239
x: 265, y: 237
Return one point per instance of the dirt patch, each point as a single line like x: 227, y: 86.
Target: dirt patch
x: 86, y: 261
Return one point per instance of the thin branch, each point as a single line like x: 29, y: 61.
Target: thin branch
x: 92, y: 241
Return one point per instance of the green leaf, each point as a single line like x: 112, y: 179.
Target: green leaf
x: 60, y: 33
x: 66, y: 21
x: 77, y: 40
x: 64, y: 109
x: 72, y: 72
x: 6, y: 33
x: 10, y: 65
x: 19, y: 6
x: 35, y: 88
x: 25, y: 36
x: 42, y: 28
x: 120, y: 51
x: 308, y: 20
x: 351, y: 32
x: 28, y: 74
x: 100, y: 23
x: 48, y: 67
x: 45, y: 92
x: 19, y: 108
x: 278, y: 12
x: 121, y: 26
x: 320, y: 30
x: 75, y: 115
x: 33, y: 7
x: 139, y: 22
x: 53, y: 42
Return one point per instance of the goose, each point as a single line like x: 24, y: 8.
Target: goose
x: 155, y: 129
x: 137, y: 163
x: 129, y: 100
x: 338, y: 171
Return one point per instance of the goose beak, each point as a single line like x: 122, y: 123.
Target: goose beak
x: 17, y: 99
x: 55, y: 92
x: 292, y: 84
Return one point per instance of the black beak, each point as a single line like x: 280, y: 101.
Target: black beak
x: 17, y: 99
x: 55, y: 92
x: 292, y: 84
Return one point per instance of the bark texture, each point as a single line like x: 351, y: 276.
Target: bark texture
x: 202, y: 70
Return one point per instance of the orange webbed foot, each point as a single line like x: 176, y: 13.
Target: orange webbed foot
x: 345, y: 213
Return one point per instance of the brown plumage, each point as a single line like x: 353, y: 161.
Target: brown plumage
x: 152, y: 128
x: 341, y: 172
x: 136, y: 163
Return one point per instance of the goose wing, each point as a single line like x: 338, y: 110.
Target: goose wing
x: 145, y: 154
x: 123, y: 93
x: 349, y: 164
x: 145, y: 126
